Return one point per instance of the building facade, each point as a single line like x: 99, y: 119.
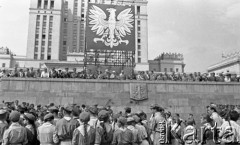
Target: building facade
x: 167, y: 62
x: 229, y: 63
x: 57, y: 30
x: 45, y: 30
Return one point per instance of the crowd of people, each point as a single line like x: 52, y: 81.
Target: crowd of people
x: 122, y: 75
x: 72, y: 124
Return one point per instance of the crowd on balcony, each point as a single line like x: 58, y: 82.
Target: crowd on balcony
x: 113, y: 75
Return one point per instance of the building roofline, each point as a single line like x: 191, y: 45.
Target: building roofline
x: 224, y: 63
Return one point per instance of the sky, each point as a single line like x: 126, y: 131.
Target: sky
x: 199, y: 29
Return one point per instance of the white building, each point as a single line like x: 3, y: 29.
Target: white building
x: 168, y: 62
x: 230, y: 63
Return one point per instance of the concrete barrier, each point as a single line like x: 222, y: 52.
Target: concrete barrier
x: 180, y: 97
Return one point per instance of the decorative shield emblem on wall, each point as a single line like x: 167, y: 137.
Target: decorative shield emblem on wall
x: 138, y: 92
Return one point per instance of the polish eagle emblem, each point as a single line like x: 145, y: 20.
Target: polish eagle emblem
x: 111, y: 30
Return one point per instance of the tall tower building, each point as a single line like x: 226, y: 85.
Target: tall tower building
x: 45, y: 30
x: 141, y: 27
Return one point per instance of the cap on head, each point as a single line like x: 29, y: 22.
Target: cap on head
x: 49, y: 116
x: 84, y: 117
x: 14, y: 116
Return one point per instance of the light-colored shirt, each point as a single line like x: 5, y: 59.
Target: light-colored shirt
x: 15, y: 134
x: 45, y: 74
x: 45, y: 133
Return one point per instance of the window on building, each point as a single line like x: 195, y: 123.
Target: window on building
x: 49, y: 37
x: 139, y: 60
x: 45, y: 4
x: 35, y: 49
x: 43, y: 43
x: 44, y: 24
x: 139, y: 40
x: 37, y: 31
x: 171, y: 69
x: 139, y: 53
x: 42, y: 49
x: 39, y: 3
x: 139, y: 29
x: 44, y: 30
x: 3, y: 64
x: 38, y: 24
x: 139, y: 34
x: 43, y: 36
x: 42, y: 56
x: 49, y: 49
x: 50, y: 24
x: 82, y: 15
x: 36, y: 43
x: 44, y: 18
x: 139, y: 22
x: 177, y: 70
x: 38, y: 17
x: 52, y: 4
x: 165, y: 69
x: 35, y: 56
x: 139, y: 47
x: 51, y: 18
x: 65, y: 19
x: 36, y: 36
x: 64, y: 42
x: 138, y: 9
x: 49, y: 43
x: 49, y: 57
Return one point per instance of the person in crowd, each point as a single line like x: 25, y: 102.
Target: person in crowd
x: 190, y: 133
x: 75, y: 113
x: 64, y: 127
x: 128, y: 111
x: 74, y: 74
x: 46, y: 130
x: 113, y: 76
x: 37, y: 73
x: 190, y: 117
x: 214, y: 115
x: 3, y: 123
x: 54, y: 110
x: 45, y: 73
x: 227, y: 78
x: 15, y: 134
x: 159, y: 126
x: 93, y: 116
x: 104, y: 131
x: 66, y: 73
x: 29, y: 123
x: 122, y: 75
x: 141, y: 129
x: 122, y: 136
x: 84, y: 134
x: 137, y: 140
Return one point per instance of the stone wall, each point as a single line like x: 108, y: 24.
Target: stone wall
x: 181, y: 97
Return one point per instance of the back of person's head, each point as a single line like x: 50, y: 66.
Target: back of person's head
x: 76, y: 111
x: 233, y: 115
x: 84, y: 117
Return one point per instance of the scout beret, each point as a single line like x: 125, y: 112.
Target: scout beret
x: 93, y: 110
x: 130, y: 119
x: 136, y: 118
x: 29, y: 116
x: 68, y: 108
x: 2, y: 111
x: 102, y: 114
x: 48, y: 116
x: 84, y: 117
x: 14, y: 116
x: 53, y: 108
x: 122, y: 120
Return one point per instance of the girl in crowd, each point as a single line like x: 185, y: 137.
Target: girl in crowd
x: 29, y: 122
x: 84, y: 134
x: 104, y: 132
